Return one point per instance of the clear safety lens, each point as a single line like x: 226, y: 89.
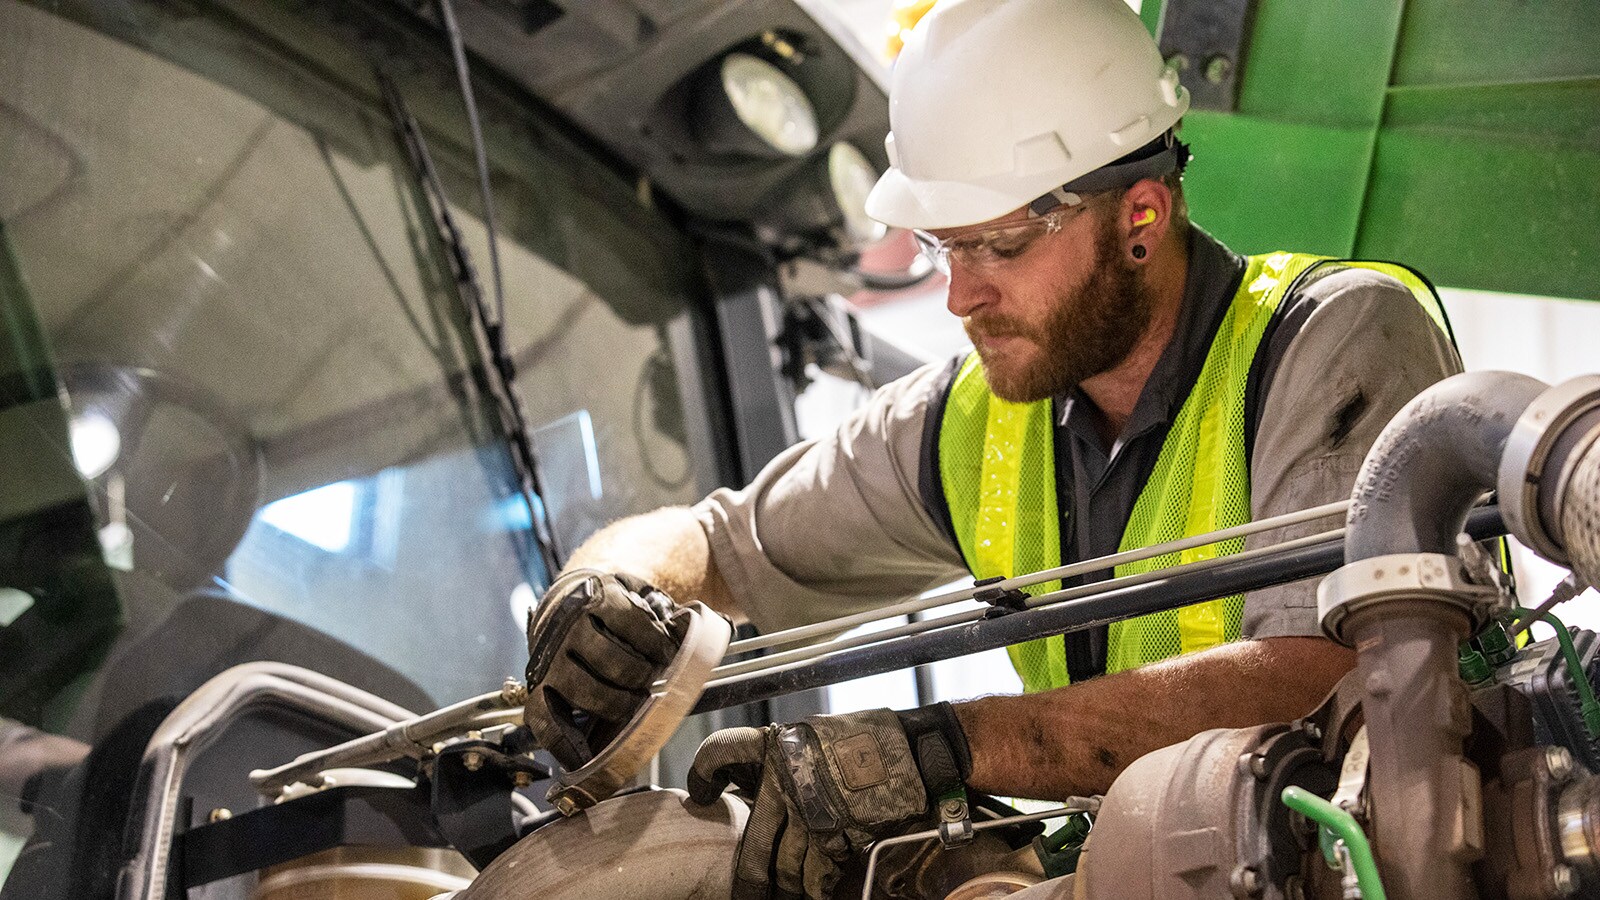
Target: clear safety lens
x: 988, y: 248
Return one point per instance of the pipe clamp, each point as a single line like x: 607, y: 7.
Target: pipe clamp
x: 1400, y: 576
x: 1528, y: 449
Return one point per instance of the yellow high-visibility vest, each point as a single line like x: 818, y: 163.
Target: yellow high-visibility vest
x: 997, y: 469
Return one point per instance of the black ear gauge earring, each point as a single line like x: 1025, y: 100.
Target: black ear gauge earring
x: 1138, y: 251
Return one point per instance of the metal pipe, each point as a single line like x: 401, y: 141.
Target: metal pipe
x: 1071, y: 570
x: 200, y: 719
x: 1398, y: 602
x: 1433, y: 461
x: 727, y: 673
x: 1182, y: 588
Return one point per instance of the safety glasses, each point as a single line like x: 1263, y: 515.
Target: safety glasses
x: 989, y: 248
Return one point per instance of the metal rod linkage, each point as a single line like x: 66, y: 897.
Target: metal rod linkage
x: 1182, y: 586
x: 1072, y: 805
x: 728, y: 674
x: 1071, y: 570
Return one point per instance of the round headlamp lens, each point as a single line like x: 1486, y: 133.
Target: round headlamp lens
x: 770, y: 103
x: 852, y: 176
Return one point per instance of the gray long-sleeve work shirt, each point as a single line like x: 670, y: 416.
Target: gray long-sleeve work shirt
x: 852, y: 520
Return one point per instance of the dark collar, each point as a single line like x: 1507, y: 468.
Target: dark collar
x: 1213, y: 279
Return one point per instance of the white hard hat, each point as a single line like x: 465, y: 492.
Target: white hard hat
x: 996, y: 103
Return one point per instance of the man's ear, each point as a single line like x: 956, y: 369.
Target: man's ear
x: 1145, y: 217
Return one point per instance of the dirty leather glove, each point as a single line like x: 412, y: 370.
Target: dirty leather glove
x: 826, y: 788
x: 596, y: 643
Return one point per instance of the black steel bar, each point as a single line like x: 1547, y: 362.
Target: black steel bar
x: 1182, y: 589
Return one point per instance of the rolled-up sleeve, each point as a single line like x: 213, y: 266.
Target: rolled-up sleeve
x: 836, y: 525
x: 1365, y: 350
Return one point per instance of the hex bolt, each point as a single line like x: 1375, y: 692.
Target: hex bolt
x: 521, y: 779
x: 513, y: 692
x: 1218, y: 68
x: 1563, y: 881
x: 565, y: 804
x: 220, y: 814
x: 1559, y: 761
x: 472, y: 760
x: 1246, y: 882
x: 954, y: 809
x: 1310, y: 730
x: 1255, y: 764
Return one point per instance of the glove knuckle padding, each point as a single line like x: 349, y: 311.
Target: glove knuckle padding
x: 609, y: 658
x: 869, y: 762
x: 594, y: 644
x: 633, y: 621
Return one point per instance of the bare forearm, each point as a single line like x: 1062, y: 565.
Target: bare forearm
x: 1077, y: 739
x: 666, y: 547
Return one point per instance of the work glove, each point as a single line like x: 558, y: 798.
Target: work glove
x: 826, y: 788
x: 596, y: 643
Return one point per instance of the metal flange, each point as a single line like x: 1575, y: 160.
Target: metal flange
x: 1400, y: 576
x: 704, y: 643
x: 1527, y: 454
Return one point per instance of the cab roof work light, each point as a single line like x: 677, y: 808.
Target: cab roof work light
x: 751, y: 107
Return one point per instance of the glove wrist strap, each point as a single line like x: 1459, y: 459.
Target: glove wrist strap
x: 940, y: 746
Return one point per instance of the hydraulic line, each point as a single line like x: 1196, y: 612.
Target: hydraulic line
x: 1072, y: 570
x: 1575, y: 670
x: 1346, y: 829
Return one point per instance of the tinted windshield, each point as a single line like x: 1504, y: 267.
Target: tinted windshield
x: 270, y: 443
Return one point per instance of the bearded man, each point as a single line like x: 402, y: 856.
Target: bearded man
x: 1134, y: 381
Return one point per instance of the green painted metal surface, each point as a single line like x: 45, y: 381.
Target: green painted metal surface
x: 1460, y: 136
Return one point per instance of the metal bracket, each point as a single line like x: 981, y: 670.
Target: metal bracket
x: 1350, y: 795
x: 1000, y: 600
x: 1204, y: 41
x: 955, y: 820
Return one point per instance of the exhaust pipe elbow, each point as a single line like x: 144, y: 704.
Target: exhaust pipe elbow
x: 1432, y: 463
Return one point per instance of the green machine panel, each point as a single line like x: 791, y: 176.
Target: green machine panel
x: 1461, y: 136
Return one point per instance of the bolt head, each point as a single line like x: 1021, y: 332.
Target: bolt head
x: 1257, y: 765
x: 1563, y: 881
x: 220, y: 814
x: 472, y: 760
x: 1218, y: 68
x: 1246, y: 882
x: 1559, y: 761
x: 1179, y: 62
x: 565, y: 805
x: 954, y: 808
x: 513, y: 692
x: 521, y: 779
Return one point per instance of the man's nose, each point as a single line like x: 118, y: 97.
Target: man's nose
x: 968, y: 291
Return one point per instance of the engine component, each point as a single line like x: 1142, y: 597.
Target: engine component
x: 367, y: 873
x: 1204, y: 819
x: 649, y: 844
x: 1541, y: 673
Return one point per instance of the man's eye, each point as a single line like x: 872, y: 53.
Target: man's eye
x: 1009, y: 249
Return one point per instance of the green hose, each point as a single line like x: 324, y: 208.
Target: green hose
x: 1580, y: 678
x: 1343, y: 826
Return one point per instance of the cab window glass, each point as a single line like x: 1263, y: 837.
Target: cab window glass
x: 269, y: 384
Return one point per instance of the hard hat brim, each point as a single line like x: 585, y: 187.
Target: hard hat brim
x: 900, y: 201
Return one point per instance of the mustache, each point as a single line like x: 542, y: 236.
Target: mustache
x: 993, y: 326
